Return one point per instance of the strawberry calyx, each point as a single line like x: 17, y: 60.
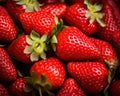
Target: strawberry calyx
x: 39, y: 84
x: 111, y: 73
x: 94, y: 13
x: 52, y: 40
x: 36, y: 46
x: 29, y: 5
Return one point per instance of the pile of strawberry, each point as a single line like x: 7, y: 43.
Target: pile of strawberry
x: 59, y: 48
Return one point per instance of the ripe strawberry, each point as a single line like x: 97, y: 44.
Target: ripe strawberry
x: 15, y: 8
x: 111, y: 21
x: 72, y: 44
x: 108, y: 52
x: 3, y: 91
x: 47, y: 74
x: 27, y: 49
x: 7, y: 28
x: 56, y: 9
x: 7, y: 69
x: 114, y: 89
x: 71, y: 88
x: 17, y: 87
x: 86, y: 18
x: 42, y: 22
x: 116, y: 40
x: 92, y: 76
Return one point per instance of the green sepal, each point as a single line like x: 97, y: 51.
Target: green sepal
x: 43, y: 55
x: 43, y: 78
x: 31, y: 5
x: 28, y: 50
x: 107, y: 64
x: 29, y: 40
x: 94, y: 13
x: 34, y: 56
x: 36, y: 46
x: 28, y: 89
x: 34, y: 35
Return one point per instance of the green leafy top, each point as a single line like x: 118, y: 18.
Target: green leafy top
x: 39, y: 84
x: 31, y: 5
x: 36, y: 46
x: 94, y: 13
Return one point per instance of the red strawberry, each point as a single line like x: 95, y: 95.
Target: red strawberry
x: 92, y: 76
x: 41, y: 22
x: 116, y: 40
x: 110, y: 19
x: 56, y: 9
x: 7, y: 69
x: 15, y: 8
x: 7, y: 28
x: 27, y: 49
x: 85, y: 18
x: 50, y: 74
x: 3, y: 91
x: 115, y: 88
x: 17, y: 87
x: 108, y: 52
x: 71, y: 88
x: 72, y: 44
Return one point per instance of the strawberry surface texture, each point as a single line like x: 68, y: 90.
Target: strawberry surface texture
x: 59, y: 47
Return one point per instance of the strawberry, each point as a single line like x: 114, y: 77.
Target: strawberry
x: 41, y: 22
x: 71, y: 88
x: 114, y: 89
x: 27, y: 49
x: 17, y: 87
x: 74, y: 45
x: 7, y: 27
x: 47, y: 74
x: 111, y: 20
x: 92, y: 76
x: 108, y: 53
x: 3, y: 91
x: 15, y: 8
x: 116, y: 40
x: 56, y: 9
x: 86, y: 18
x: 7, y: 69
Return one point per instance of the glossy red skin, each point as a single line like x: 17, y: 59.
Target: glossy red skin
x: 7, y: 69
x: 116, y: 40
x: 75, y: 15
x: 14, y: 9
x: 16, y: 50
x: 107, y: 51
x: 111, y: 20
x: 74, y: 45
x: 71, y: 88
x: 92, y: 76
x: 56, y: 9
x: 115, y: 88
x: 7, y: 27
x: 3, y: 91
x: 52, y: 68
x: 17, y: 87
x: 41, y: 22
